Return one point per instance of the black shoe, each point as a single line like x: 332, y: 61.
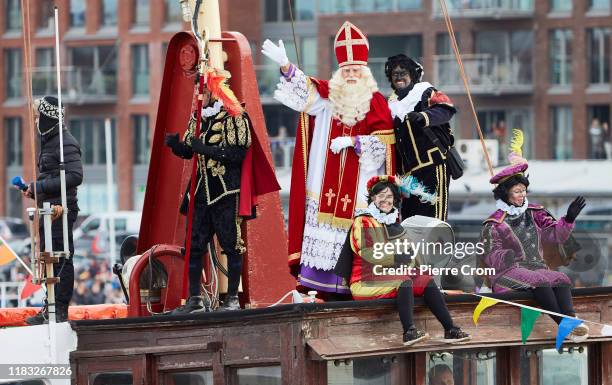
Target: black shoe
x: 61, y: 312
x: 455, y: 335
x: 42, y: 317
x: 414, y: 335
x: 194, y: 304
x: 230, y: 303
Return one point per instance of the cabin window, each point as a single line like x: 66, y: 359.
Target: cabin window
x: 548, y: 367
x: 204, y: 377
x: 360, y: 371
x: 264, y: 375
x: 114, y: 378
x: 473, y: 367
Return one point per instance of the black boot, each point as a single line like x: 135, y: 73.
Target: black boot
x: 194, y: 304
x: 42, y: 317
x: 230, y: 302
x: 61, y: 312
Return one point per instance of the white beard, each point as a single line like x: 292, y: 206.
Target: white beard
x: 351, y: 102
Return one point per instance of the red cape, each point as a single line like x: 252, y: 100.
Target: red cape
x: 257, y: 177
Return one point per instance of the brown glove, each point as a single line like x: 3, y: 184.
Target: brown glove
x: 56, y: 211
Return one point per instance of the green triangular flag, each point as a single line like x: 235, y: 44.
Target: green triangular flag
x: 528, y: 319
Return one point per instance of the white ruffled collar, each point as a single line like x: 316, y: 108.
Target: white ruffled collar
x: 214, y: 110
x: 511, y: 210
x: 385, y: 219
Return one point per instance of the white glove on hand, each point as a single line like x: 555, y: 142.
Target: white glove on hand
x: 276, y: 53
x: 340, y: 143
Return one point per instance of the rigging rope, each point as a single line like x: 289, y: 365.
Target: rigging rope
x: 453, y: 39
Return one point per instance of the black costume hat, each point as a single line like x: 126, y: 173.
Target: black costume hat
x: 414, y: 67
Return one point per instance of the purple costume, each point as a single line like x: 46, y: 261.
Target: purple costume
x: 513, y: 246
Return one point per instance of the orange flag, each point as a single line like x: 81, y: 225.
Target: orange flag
x: 6, y: 253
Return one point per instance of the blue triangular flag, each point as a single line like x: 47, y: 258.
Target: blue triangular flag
x: 565, y: 328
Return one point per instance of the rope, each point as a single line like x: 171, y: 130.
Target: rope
x: 451, y: 33
x: 27, y: 53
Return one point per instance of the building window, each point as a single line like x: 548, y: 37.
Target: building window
x: 140, y: 69
x: 12, y: 72
x: 43, y: 76
x: 174, y: 13
x: 368, y: 6
x: 95, y: 70
x: 278, y: 11
x: 507, y: 55
x: 89, y: 132
x: 560, y: 5
x: 142, y: 142
x: 141, y: 13
x: 45, y: 15
x: 599, y: 130
x: 77, y: 13
x: 599, y: 5
x: 13, y: 15
x: 562, y: 132
x: 109, y: 13
x: 12, y: 129
x: 598, y: 55
x: 560, y: 56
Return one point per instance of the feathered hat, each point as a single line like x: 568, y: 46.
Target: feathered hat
x: 518, y: 164
x: 216, y: 82
x: 407, y: 185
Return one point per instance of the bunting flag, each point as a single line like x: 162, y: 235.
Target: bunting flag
x: 6, y: 253
x: 565, y: 328
x: 484, y: 303
x: 528, y: 319
x: 29, y: 288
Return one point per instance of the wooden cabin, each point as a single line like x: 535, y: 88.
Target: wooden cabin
x: 341, y: 343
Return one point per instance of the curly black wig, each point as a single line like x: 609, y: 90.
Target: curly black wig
x: 414, y: 68
x: 380, y: 186
x: 502, y: 190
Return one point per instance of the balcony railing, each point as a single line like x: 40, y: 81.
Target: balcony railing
x: 486, y: 74
x: 79, y: 85
x: 496, y: 9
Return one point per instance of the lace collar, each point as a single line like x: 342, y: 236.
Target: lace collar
x: 511, y: 210
x: 385, y: 219
x: 214, y: 110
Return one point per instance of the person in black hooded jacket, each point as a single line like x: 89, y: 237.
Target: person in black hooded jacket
x: 48, y: 190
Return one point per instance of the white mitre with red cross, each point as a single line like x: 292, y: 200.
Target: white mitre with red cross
x: 351, y: 45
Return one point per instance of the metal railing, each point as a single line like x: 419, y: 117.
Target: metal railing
x: 486, y: 74
x: 11, y: 291
x: 78, y: 84
x: 487, y: 8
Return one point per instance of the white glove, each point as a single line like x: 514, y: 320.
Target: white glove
x: 276, y: 53
x: 340, y: 143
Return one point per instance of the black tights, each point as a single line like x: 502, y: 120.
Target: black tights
x: 555, y: 299
x: 433, y: 298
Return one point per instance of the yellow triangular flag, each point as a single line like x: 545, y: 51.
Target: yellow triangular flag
x: 6, y: 253
x: 484, y: 303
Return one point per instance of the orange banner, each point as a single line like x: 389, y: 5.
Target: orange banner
x: 6, y: 253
